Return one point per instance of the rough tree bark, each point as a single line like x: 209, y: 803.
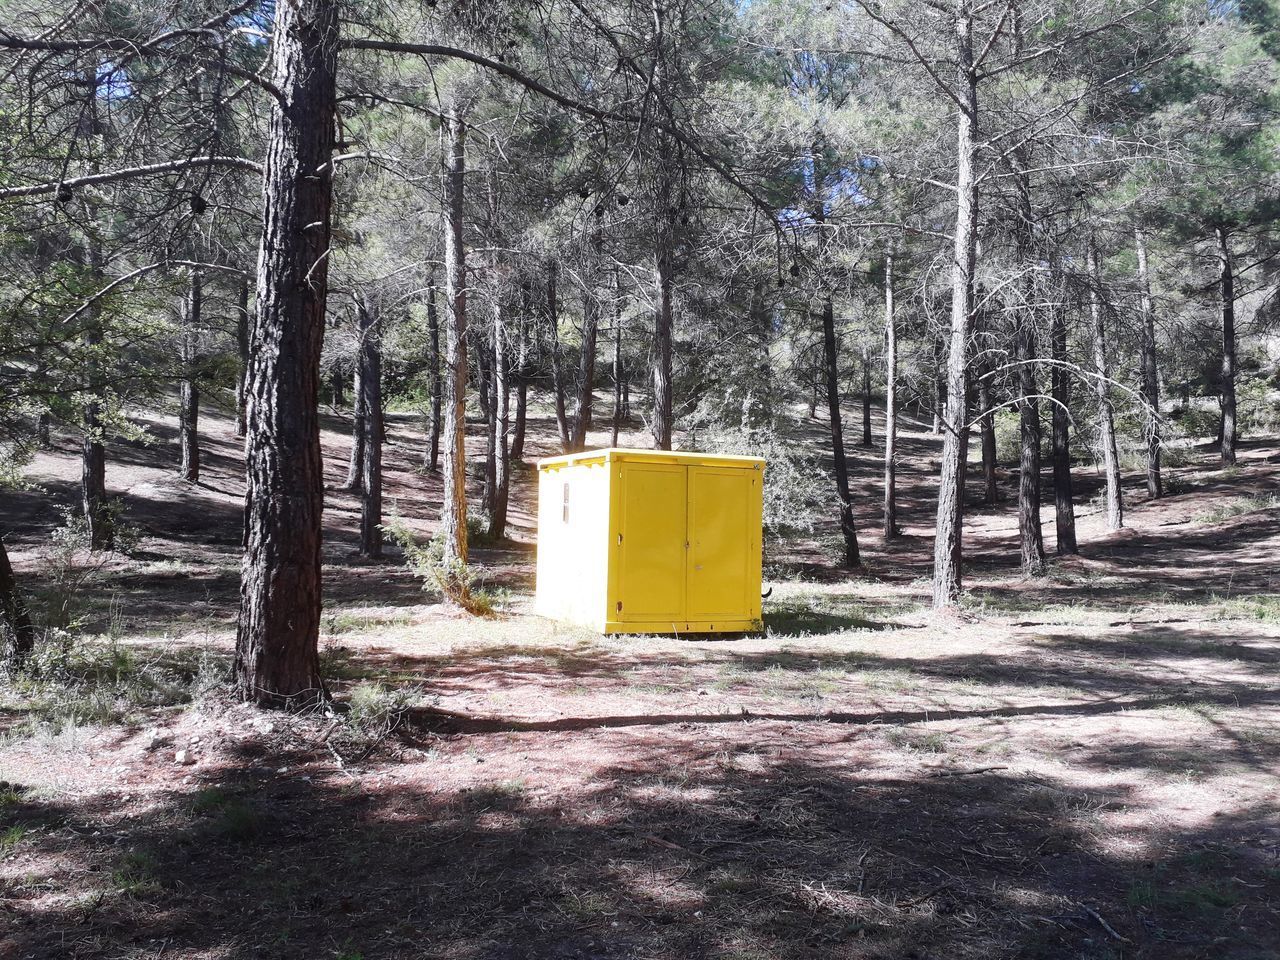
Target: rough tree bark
x: 1106, y: 416
x: 277, y: 657
x: 497, y: 516
x: 189, y: 389
x: 371, y: 427
x: 890, y: 527
x: 947, y: 537
x: 1150, y: 370
x: 1227, y: 287
x: 433, y: 332
x: 453, y: 512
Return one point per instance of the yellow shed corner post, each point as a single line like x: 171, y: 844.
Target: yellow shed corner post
x: 651, y: 541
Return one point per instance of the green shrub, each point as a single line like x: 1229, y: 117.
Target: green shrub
x: 452, y: 580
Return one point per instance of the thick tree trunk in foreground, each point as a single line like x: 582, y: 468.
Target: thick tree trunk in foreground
x: 890, y: 527
x: 189, y: 391
x: 371, y: 427
x: 1064, y: 506
x: 557, y: 367
x: 433, y: 331
x: 586, y: 370
x: 1150, y: 370
x: 13, y: 611
x: 497, y: 516
x: 947, y: 536
x: 1228, y: 291
x: 852, y: 555
x: 1106, y: 416
x: 277, y: 658
x: 242, y: 351
x: 453, y: 512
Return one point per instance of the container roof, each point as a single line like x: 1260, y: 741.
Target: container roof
x: 688, y: 457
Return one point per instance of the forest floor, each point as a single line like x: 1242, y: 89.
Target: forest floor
x: 1084, y: 765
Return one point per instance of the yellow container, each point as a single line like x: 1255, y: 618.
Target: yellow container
x: 650, y: 541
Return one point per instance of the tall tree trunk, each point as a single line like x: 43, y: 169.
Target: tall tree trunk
x: 1228, y: 290
x: 1150, y: 369
x: 1030, y: 535
x: 93, y: 457
x: 520, y: 375
x: 338, y: 388
x: 453, y: 512
x: 1064, y: 506
x: 617, y: 359
x: 1106, y: 416
x: 189, y: 391
x: 497, y: 516
x: 433, y: 331
x: 488, y: 410
x: 987, y: 437
x: 852, y: 555
x: 242, y: 351
x: 43, y: 430
x: 277, y: 657
x: 890, y: 405
x: 758, y: 406
x: 587, y: 369
x: 371, y: 427
x: 947, y: 538
x: 93, y: 460
x: 13, y: 612
x: 866, y: 397
x: 557, y: 367
x: 358, y: 433
x: 663, y: 319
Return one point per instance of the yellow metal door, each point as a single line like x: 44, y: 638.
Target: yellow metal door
x: 719, y: 542
x: 652, y: 544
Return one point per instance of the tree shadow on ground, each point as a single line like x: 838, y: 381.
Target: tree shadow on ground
x: 684, y: 851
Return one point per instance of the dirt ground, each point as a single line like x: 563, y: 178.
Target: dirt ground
x: 1084, y: 765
